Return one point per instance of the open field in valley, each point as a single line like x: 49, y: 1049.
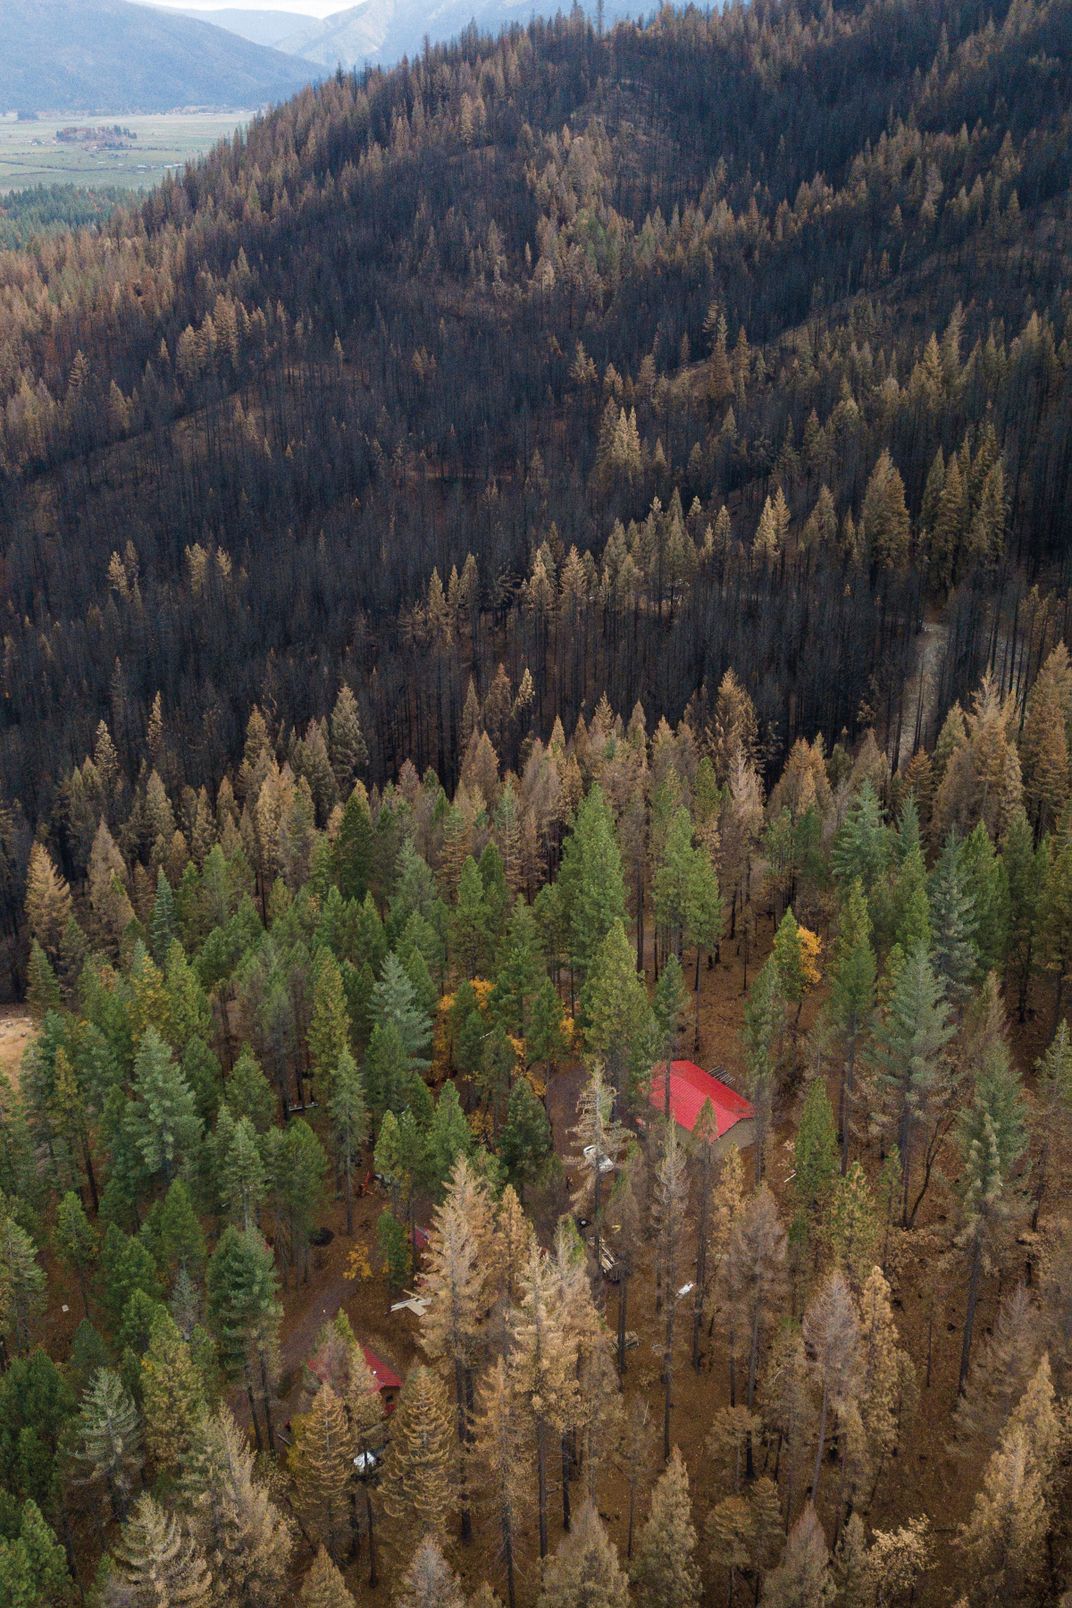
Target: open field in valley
x: 31, y: 154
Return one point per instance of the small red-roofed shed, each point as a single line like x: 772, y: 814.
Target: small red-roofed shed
x: 690, y: 1088
x: 388, y: 1381
x: 325, y: 1365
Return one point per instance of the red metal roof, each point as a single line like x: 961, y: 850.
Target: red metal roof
x: 690, y: 1086
x: 384, y: 1376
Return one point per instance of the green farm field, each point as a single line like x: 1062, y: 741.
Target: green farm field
x: 30, y: 154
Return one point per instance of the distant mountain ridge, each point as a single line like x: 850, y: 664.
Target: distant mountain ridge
x: 111, y: 56
x: 259, y: 27
x: 383, y: 31
x: 350, y: 37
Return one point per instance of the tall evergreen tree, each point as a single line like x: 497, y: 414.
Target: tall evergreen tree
x: 852, y: 990
x: 321, y: 1466
x: 156, y: 1564
x: 861, y: 850
x: 324, y: 1586
x: 585, y: 1569
x: 418, y: 1470
x: 1054, y: 922
x: 170, y: 1128
x: 394, y: 1005
x: 173, y: 1394
x: 349, y: 1118
x: 526, y: 1143
x: 910, y: 1057
x: 993, y: 1137
x: 33, y: 1564
x: 110, y: 1438
x: 665, y: 1571
x: 955, y: 921
x: 614, y: 1004
x: 1053, y: 1122
x: 22, y: 1283
x: 454, y: 1282
x: 246, y: 1541
x: 76, y: 1242
x: 347, y: 746
x: 520, y: 971
x: 244, y: 1315
x: 591, y: 880
x: 329, y: 1026
x: 764, y: 1022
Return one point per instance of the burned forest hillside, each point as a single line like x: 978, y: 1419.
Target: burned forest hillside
x: 731, y: 341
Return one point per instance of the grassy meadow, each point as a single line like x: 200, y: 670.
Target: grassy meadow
x: 30, y: 153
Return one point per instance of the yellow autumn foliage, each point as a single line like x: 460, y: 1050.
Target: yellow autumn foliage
x: 810, y: 948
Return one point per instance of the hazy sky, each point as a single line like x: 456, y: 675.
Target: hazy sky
x: 310, y: 8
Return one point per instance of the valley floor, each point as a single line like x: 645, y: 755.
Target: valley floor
x: 30, y: 153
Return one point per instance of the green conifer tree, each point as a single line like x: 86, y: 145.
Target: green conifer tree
x: 349, y: 1118
x: 169, y: 1126
x: 33, y: 1564
x: 590, y: 880
x: 815, y: 1164
x: 109, y: 1438
x: 955, y: 923
x: 992, y: 1136
x: 852, y: 992
x: 909, y: 1057
x: 616, y: 1012
x: 526, y: 1143
x: 244, y: 1314
x: 77, y: 1242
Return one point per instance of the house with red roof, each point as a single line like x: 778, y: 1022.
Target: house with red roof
x: 321, y: 1369
x: 690, y: 1088
x: 386, y: 1379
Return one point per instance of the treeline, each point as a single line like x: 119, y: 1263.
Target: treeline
x: 682, y: 386
x: 50, y: 208
x: 247, y: 1002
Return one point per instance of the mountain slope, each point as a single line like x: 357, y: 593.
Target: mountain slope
x: 539, y: 352
x: 112, y: 57
x: 383, y: 31
x: 259, y: 27
x: 351, y: 37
